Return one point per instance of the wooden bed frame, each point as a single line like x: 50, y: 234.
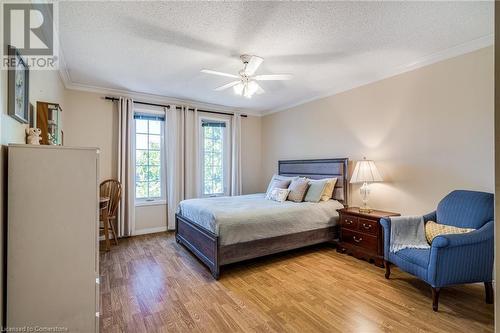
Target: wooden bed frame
x: 205, y: 245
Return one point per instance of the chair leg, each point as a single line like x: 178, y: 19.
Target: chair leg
x: 387, y: 269
x: 488, y: 288
x: 435, y: 298
x: 111, y: 224
x: 106, y: 233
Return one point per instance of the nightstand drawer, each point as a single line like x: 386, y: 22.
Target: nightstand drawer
x: 360, y: 239
x: 349, y: 221
x: 368, y: 226
x: 361, y: 233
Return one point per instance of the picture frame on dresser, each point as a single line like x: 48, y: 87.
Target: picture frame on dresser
x: 18, y: 86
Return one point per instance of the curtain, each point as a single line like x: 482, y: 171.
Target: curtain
x: 181, y: 158
x: 236, y: 155
x: 126, y: 167
x: 192, y: 177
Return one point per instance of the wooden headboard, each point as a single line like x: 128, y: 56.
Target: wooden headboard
x: 319, y: 169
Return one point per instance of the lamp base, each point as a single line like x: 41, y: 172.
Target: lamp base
x: 365, y: 210
x: 365, y: 192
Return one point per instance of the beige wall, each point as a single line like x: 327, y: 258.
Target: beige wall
x: 429, y: 130
x: 150, y: 218
x: 44, y: 86
x: 92, y: 121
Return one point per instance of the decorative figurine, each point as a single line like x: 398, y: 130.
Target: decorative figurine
x: 33, y: 136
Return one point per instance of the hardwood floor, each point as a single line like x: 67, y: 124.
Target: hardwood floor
x: 151, y: 284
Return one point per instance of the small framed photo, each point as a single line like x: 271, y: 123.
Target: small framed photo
x: 18, y: 87
x: 32, y: 117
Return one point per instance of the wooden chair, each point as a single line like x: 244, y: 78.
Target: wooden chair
x: 103, y: 216
x: 111, y: 189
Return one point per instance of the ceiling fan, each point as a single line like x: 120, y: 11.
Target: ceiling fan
x: 246, y: 81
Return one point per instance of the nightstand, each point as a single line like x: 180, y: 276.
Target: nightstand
x: 361, y: 234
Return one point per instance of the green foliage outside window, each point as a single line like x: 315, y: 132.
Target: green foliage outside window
x: 213, y: 160
x: 148, y: 159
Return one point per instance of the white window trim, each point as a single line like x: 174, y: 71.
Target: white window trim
x: 140, y: 202
x: 226, y: 162
x: 155, y: 202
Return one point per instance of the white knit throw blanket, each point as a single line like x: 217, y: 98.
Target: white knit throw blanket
x: 407, y: 232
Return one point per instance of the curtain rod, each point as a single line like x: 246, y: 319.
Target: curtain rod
x: 168, y: 106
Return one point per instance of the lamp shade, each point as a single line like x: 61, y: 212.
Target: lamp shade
x: 365, y: 171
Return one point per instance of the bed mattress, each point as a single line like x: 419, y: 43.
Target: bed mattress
x: 246, y: 218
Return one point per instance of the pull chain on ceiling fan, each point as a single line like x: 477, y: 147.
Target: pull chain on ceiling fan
x: 246, y: 84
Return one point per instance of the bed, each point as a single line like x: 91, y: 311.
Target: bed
x: 225, y: 230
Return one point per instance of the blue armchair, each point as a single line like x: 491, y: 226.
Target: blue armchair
x: 452, y: 259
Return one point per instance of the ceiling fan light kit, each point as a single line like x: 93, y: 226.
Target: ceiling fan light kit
x: 246, y: 84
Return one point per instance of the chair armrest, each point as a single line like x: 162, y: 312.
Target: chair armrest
x: 462, y: 258
x: 480, y: 235
x: 385, y: 222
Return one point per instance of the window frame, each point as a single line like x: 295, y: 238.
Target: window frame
x: 226, y: 146
x: 150, y: 201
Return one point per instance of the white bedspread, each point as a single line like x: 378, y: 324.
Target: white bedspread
x: 250, y: 217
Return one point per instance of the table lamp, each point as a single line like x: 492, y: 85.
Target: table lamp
x: 365, y: 172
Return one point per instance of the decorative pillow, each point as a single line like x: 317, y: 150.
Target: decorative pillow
x: 278, y: 177
x: 434, y: 229
x: 278, y: 194
x: 278, y: 184
x: 298, y: 189
x: 316, y: 188
x: 328, y: 191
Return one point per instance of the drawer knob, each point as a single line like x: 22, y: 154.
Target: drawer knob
x: 357, y: 240
x: 367, y: 226
x: 348, y: 222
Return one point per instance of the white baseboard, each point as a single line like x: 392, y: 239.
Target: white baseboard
x: 149, y: 230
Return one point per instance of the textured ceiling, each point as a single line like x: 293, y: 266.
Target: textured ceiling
x: 160, y: 47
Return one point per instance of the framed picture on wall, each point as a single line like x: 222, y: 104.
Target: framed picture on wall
x: 18, y: 87
x: 32, y: 117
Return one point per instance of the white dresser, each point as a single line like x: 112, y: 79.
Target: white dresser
x: 52, y: 237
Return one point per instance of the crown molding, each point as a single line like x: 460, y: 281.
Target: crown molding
x: 63, y: 70
x: 153, y: 98
x: 427, y: 60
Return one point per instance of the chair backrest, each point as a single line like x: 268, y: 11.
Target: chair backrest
x: 112, y: 189
x: 466, y: 209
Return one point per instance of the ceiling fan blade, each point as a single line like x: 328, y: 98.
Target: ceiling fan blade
x: 229, y: 85
x: 209, y: 71
x: 253, y: 64
x: 246, y: 92
x: 274, y: 77
x: 259, y: 89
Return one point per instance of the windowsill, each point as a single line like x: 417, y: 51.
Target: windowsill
x: 150, y: 203
x: 214, y: 195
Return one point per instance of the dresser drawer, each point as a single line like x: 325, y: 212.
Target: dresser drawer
x: 368, y: 226
x: 360, y: 239
x: 349, y: 221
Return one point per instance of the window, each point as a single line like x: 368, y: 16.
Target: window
x: 149, y: 165
x: 214, y: 157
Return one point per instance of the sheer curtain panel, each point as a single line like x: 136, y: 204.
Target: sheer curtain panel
x: 126, y: 167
